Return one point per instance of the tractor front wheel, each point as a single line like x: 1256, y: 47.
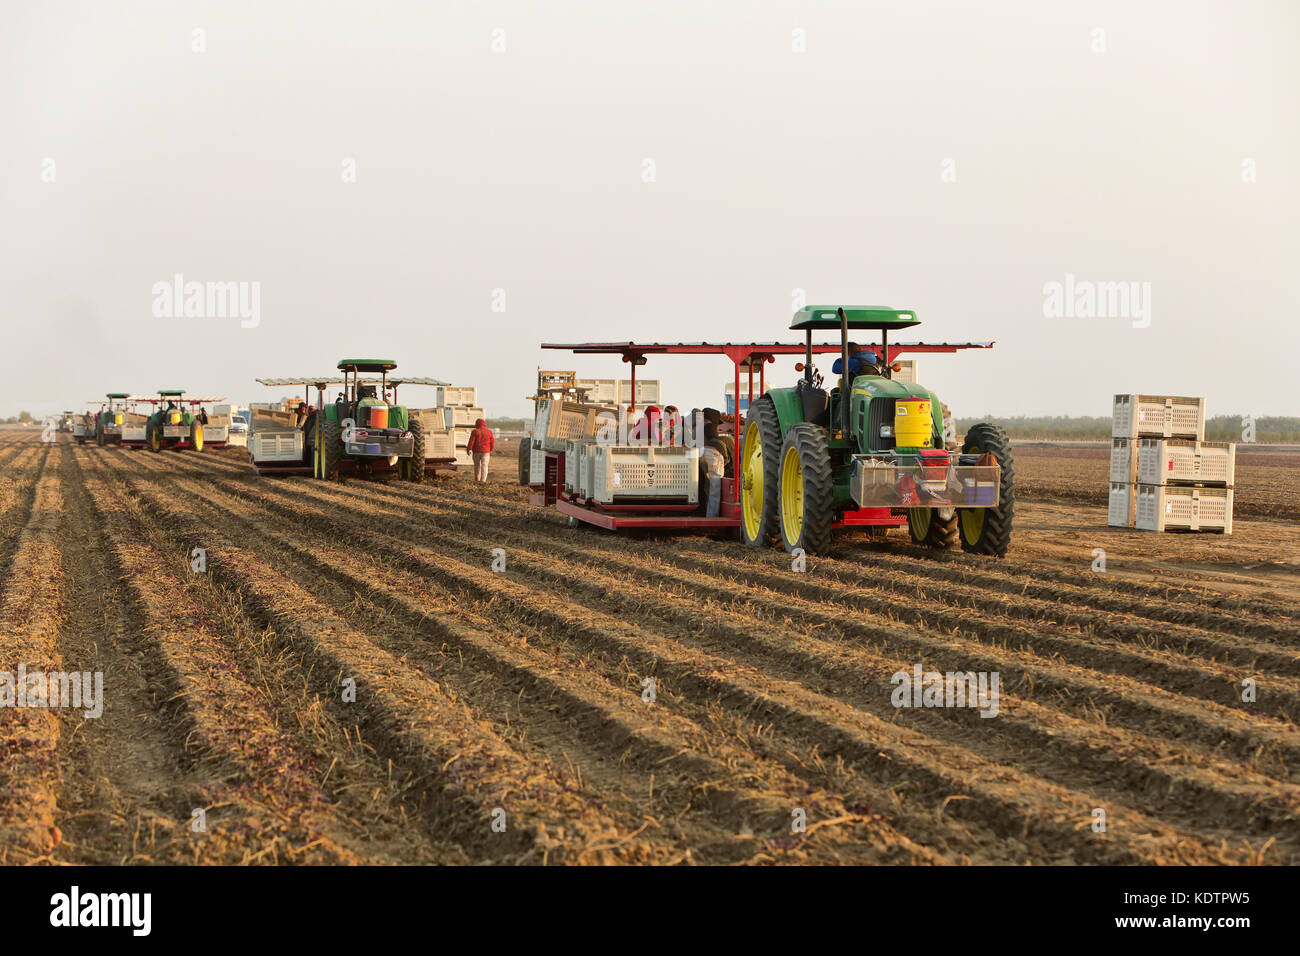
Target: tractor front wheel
x: 988, y: 530
x: 196, y: 436
x: 759, y: 475
x: 933, y: 527
x: 329, y: 448
x: 807, y: 493
x: 155, y: 437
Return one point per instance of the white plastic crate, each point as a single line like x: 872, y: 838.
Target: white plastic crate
x: 268, y: 446
x: 644, y: 472
x: 440, y: 444
x: 577, y: 466
x: 1180, y: 507
x: 1158, y: 416
x: 647, y: 392
x: 559, y: 421
x: 1123, y: 460
x: 1122, y: 509
x: 466, y: 415
x: 536, y: 463
x: 1163, y: 461
x: 600, y: 391
x: 454, y: 395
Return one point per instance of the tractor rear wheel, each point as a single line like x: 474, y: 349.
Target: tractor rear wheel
x: 99, y: 434
x: 414, y: 470
x: 988, y: 530
x: 933, y: 527
x: 328, y: 451
x: 525, y: 460
x: 759, y: 474
x: 807, y: 493
x: 155, y: 437
x: 196, y: 436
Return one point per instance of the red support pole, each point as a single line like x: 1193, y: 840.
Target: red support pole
x: 735, y: 433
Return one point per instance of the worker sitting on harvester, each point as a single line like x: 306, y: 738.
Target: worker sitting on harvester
x: 713, y: 467
x: 724, y: 443
x: 480, y: 445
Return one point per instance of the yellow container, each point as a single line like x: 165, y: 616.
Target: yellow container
x: 912, y: 425
x: 176, y: 418
x: 117, y: 419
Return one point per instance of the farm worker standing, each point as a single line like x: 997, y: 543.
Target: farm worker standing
x: 724, y: 443
x: 481, y: 443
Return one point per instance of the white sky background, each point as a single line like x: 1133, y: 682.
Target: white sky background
x: 775, y: 170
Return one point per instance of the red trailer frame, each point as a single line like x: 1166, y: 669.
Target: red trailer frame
x: 742, y: 355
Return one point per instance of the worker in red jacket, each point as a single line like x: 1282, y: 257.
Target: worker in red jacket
x: 481, y: 443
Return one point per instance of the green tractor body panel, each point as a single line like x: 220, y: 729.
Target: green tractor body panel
x: 789, y: 407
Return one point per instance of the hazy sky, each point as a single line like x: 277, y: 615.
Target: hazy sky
x: 950, y: 158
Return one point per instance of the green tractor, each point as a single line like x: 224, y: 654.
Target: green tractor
x: 177, y: 421
x: 811, y: 459
x: 109, y: 419
x: 364, y: 431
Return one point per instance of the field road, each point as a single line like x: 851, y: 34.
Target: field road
x: 345, y: 678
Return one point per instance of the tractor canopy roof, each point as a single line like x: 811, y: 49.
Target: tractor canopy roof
x: 171, y: 391
x: 335, y: 379
x: 859, y: 317
x: 118, y: 395
x: 367, y: 365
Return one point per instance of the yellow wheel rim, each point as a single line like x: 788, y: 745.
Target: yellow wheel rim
x: 198, y: 437
x: 155, y: 442
x: 318, y: 455
x: 751, y: 479
x: 792, y: 495
x: 972, y: 524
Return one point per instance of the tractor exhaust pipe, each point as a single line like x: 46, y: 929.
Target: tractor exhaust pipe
x: 846, y: 386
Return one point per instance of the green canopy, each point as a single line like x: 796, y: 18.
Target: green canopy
x: 859, y: 317
x: 118, y: 395
x: 368, y: 365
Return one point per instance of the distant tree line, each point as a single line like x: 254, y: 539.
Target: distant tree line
x: 19, y: 419
x: 1268, y: 429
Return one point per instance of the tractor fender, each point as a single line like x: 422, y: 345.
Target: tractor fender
x: 789, y: 407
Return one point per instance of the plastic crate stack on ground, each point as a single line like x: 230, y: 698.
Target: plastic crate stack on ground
x: 460, y: 410
x: 1163, y: 475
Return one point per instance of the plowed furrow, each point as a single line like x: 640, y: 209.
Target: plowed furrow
x: 30, y: 606
x: 1011, y: 802
x: 1125, y: 699
x: 1114, y: 762
x: 653, y: 739
x: 260, y: 792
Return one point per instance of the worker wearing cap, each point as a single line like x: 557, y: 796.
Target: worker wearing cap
x: 861, y: 362
x: 481, y: 443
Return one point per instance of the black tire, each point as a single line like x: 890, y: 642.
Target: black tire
x: 415, y: 464
x: 811, y: 531
x: 991, y: 534
x: 766, y: 429
x: 929, y: 527
x: 330, y: 452
x: 525, y: 460
x: 99, y: 432
x: 154, y: 436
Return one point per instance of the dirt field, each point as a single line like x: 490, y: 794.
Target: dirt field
x: 502, y: 717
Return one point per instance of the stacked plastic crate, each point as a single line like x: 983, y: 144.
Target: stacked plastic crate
x: 460, y: 409
x: 1163, y: 475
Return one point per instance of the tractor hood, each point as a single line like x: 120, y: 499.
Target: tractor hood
x: 879, y: 387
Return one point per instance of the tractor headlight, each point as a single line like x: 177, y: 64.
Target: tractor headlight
x: 886, y: 431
